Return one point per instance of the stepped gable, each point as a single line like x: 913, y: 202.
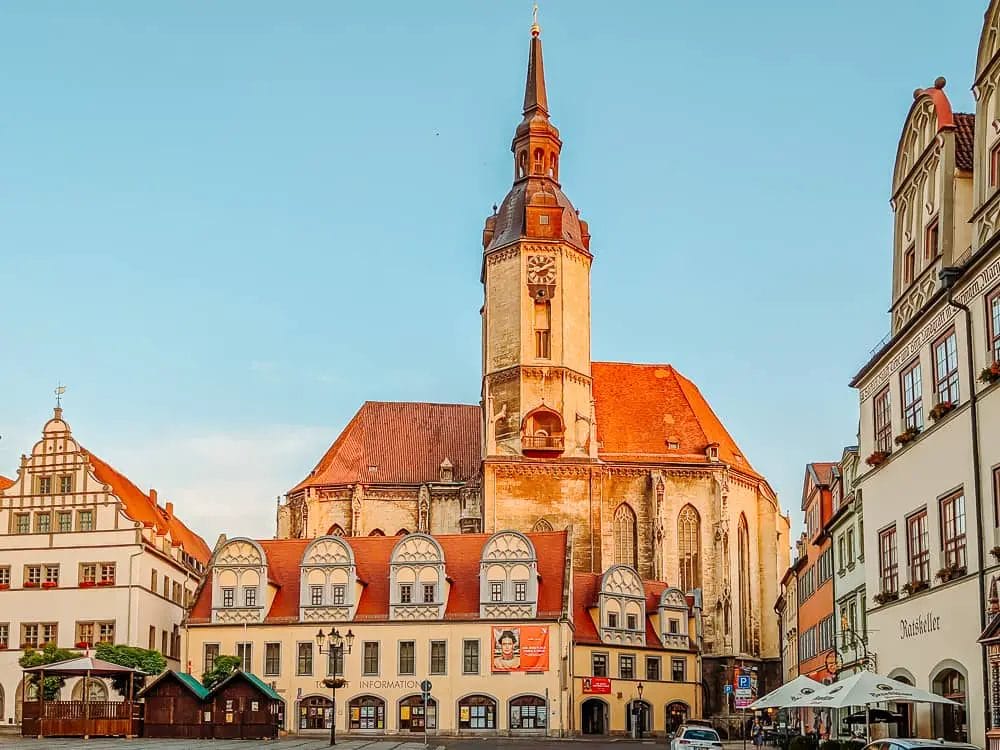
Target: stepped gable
x: 642, y: 409
x: 390, y: 442
x: 372, y: 554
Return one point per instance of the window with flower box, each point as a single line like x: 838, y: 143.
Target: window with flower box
x: 107, y: 574
x: 945, y: 357
x: 913, y: 407
x: 29, y: 634
x: 953, y: 530
x: 88, y: 574
x: 883, y: 421
x: 993, y: 323
x: 32, y: 576
x: 918, y: 548
x: 84, y: 634
x: 888, y: 564
x: 5, y: 576
x: 50, y: 633
x: 51, y: 576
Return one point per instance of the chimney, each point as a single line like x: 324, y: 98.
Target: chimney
x: 170, y: 510
x: 152, y: 495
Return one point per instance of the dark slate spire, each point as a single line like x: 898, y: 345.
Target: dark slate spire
x: 534, y: 88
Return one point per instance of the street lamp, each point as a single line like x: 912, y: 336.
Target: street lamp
x: 334, y: 643
x: 637, y: 713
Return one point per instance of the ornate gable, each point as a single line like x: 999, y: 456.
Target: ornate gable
x: 673, y: 617
x: 239, y: 582
x: 417, y: 579
x: 328, y: 581
x: 622, y: 603
x: 508, y: 577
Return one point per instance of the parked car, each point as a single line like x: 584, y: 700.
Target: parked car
x: 912, y: 743
x: 689, y: 737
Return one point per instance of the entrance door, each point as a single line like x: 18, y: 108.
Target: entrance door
x: 595, y: 716
x: 641, y: 712
x: 315, y: 712
x: 676, y: 715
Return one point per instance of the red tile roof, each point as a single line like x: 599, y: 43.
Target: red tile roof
x: 5, y: 482
x: 641, y: 408
x: 143, y: 508
x: 462, y: 555
x: 401, y: 443
x: 965, y: 132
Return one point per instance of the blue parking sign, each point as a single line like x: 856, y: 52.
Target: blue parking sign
x: 729, y: 688
x: 743, y: 682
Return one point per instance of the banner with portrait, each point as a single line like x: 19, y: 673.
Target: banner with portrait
x: 520, y: 648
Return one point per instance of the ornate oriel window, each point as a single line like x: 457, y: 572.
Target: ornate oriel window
x: 689, y: 548
x: 625, y: 536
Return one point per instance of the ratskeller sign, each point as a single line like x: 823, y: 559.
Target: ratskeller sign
x: 919, y: 625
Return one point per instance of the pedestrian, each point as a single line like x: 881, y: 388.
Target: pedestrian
x: 758, y: 735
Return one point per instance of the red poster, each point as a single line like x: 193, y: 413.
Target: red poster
x: 597, y: 685
x: 520, y: 648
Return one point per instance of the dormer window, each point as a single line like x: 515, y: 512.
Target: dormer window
x: 674, y: 626
x: 406, y: 593
x: 430, y: 593
x: 712, y: 451
x: 508, y: 577
x: 228, y: 597
x: 339, y: 592
x: 417, y: 569
x: 520, y: 591
x: 326, y: 580
x: 631, y: 622
x: 496, y: 591
x: 315, y: 595
x: 250, y: 596
x: 612, y: 620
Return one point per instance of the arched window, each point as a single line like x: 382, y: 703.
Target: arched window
x: 539, y: 165
x: 377, y: 532
x: 554, y: 166
x: 336, y: 530
x: 402, y: 532
x: 542, y: 524
x: 625, y: 536
x: 522, y: 163
x: 689, y: 548
x: 950, y: 721
x: 743, y: 538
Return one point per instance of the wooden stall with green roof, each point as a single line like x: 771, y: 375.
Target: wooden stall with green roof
x: 245, y: 707
x: 176, y: 707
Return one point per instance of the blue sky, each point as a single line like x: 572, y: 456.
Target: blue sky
x: 225, y: 225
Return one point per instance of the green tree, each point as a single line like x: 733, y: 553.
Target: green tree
x: 49, y: 654
x: 150, y: 662
x: 224, y: 666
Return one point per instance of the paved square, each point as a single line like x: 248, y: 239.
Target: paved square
x: 292, y: 743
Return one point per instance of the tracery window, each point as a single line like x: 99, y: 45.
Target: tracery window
x: 743, y: 538
x: 625, y: 536
x: 689, y: 548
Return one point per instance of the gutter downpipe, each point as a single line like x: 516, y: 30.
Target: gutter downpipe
x: 948, y: 277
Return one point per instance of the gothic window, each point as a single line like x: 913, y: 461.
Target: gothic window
x: 625, y: 537
x: 542, y: 524
x: 689, y: 548
x: 543, y: 330
x: 744, y: 557
x: 336, y: 530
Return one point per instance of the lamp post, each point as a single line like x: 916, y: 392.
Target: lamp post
x: 637, y: 713
x: 333, y: 643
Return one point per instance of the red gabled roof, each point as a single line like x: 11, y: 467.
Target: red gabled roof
x: 965, y: 134
x: 5, y: 482
x: 823, y: 471
x: 401, y: 443
x: 640, y: 409
x: 372, y: 554
x: 142, y: 508
x: 587, y: 587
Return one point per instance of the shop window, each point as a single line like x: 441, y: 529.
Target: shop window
x: 414, y: 715
x: 367, y: 712
x: 528, y: 712
x: 477, y: 712
x: 315, y: 712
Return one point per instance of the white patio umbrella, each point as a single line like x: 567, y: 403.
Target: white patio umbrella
x: 866, y: 688
x: 789, y: 695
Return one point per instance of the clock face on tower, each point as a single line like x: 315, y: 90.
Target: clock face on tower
x: 541, y: 269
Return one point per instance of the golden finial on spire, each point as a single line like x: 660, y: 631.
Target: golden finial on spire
x: 535, y: 28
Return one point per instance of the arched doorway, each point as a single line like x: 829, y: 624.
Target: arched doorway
x: 413, y: 718
x: 905, y: 727
x: 676, y: 714
x: 642, y: 713
x: 477, y: 712
x: 528, y: 713
x: 315, y: 712
x: 594, y: 718
x: 366, y: 713
x: 96, y: 689
x: 951, y: 722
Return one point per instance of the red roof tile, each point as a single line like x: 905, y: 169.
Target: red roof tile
x: 462, y: 555
x: 401, y: 443
x: 142, y: 508
x: 587, y: 587
x: 5, y: 482
x: 640, y: 409
x: 965, y: 132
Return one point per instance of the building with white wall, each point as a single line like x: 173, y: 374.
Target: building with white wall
x: 87, y: 557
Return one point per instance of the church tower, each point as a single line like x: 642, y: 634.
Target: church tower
x: 537, y: 389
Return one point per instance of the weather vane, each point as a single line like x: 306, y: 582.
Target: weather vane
x: 535, y: 28
x: 60, y: 390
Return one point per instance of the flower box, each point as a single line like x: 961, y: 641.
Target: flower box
x: 49, y: 584
x: 82, y: 644
x: 87, y: 584
x: 105, y: 583
x: 4, y: 586
x: 908, y: 436
x: 950, y: 573
x: 3, y: 646
x: 941, y: 409
x: 31, y: 584
x: 25, y: 646
x: 877, y: 458
x: 915, y: 587
x: 990, y: 374
x: 885, y: 597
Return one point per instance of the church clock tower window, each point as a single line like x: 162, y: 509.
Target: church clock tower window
x: 543, y: 325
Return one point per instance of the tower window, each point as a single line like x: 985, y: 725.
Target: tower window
x: 543, y: 330
x: 539, y: 163
x: 522, y: 163
x: 909, y: 265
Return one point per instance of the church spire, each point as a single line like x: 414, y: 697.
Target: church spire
x: 534, y: 89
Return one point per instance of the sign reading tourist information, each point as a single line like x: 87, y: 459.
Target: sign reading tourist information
x: 597, y: 685
x: 523, y: 648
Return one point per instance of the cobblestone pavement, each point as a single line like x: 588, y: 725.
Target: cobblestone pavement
x: 295, y: 743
